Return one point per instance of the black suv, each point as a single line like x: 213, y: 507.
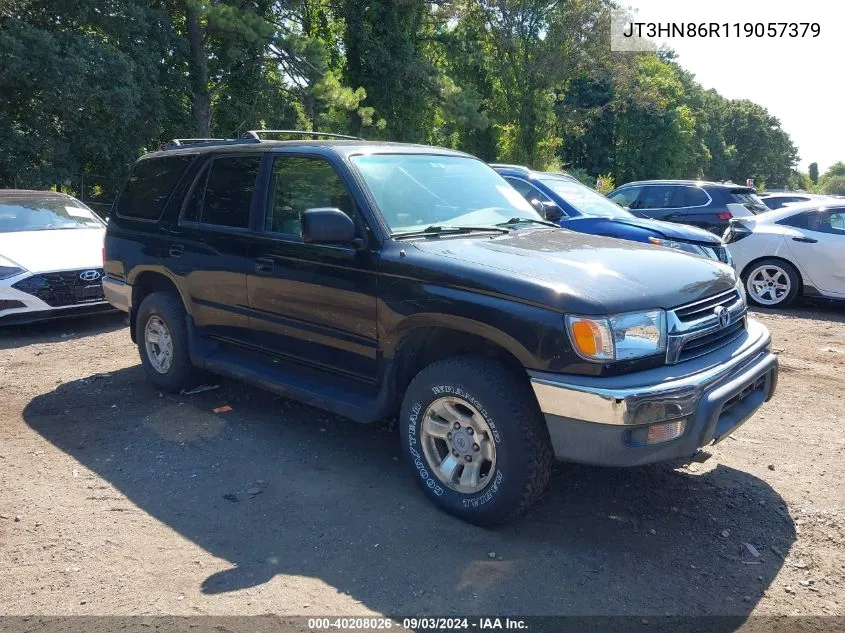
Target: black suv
x: 709, y: 205
x: 372, y: 279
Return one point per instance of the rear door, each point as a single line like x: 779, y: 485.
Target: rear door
x: 819, y: 248
x: 210, y: 249
x: 313, y: 303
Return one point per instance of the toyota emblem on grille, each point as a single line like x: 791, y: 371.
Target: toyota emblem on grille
x: 723, y: 315
x: 89, y: 275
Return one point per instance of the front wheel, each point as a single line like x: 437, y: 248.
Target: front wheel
x: 772, y: 283
x: 476, y: 440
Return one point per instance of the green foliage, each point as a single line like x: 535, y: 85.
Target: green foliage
x: 604, y: 183
x: 814, y: 172
x: 86, y: 87
x: 834, y: 185
x: 583, y: 176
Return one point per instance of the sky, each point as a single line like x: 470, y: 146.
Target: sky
x: 801, y: 81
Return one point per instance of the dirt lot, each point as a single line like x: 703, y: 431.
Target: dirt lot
x: 115, y: 499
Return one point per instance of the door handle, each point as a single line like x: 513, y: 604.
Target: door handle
x: 264, y: 265
x: 176, y: 250
x: 805, y: 240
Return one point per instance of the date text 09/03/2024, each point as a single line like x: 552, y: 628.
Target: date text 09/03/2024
x: 419, y: 624
x: 721, y: 29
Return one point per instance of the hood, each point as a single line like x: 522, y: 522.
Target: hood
x: 575, y: 271
x: 674, y: 231
x: 49, y: 250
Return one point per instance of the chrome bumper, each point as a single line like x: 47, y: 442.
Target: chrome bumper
x: 591, y: 419
x: 118, y: 293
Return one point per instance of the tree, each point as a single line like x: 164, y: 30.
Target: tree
x: 814, y: 173
x: 834, y: 185
x: 82, y: 89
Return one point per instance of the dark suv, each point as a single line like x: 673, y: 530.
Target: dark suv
x: 709, y: 205
x: 372, y: 279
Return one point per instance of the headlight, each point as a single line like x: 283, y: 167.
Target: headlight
x: 694, y: 249
x: 740, y: 288
x: 8, y: 268
x: 618, y: 337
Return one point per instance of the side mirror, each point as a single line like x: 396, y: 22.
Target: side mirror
x: 327, y: 226
x: 548, y: 210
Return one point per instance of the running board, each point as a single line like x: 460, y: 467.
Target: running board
x: 310, y: 386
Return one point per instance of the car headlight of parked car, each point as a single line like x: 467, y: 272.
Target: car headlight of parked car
x: 719, y: 253
x: 695, y: 249
x: 8, y: 268
x: 619, y: 336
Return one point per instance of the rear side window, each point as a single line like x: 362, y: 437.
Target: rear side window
x: 695, y: 197
x: 149, y: 186
x: 223, y: 193
x: 745, y: 196
x: 798, y: 221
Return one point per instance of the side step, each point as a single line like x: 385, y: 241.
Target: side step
x: 307, y: 385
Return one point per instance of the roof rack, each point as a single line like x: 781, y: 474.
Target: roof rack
x: 254, y: 134
x: 177, y: 142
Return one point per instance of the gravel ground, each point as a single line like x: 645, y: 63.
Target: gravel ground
x: 118, y: 500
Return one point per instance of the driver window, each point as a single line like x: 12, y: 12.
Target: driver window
x: 626, y: 197
x: 300, y: 183
x: 527, y: 191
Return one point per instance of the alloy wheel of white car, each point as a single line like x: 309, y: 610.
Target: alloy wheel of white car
x: 769, y: 284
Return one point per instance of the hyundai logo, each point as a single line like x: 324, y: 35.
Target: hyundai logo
x: 89, y: 275
x: 723, y: 315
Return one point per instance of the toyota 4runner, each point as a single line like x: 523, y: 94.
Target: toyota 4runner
x: 371, y: 279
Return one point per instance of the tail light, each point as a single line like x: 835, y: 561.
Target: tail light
x: 735, y: 232
x: 724, y: 215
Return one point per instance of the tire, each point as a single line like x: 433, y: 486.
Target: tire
x: 165, y: 309
x: 782, y: 273
x: 484, y: 394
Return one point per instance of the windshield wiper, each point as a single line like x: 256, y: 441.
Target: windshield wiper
x: 513, y: 221
x: 439, y: 229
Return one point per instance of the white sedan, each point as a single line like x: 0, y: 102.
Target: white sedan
x: 792, y: 251
x: 51, y: 257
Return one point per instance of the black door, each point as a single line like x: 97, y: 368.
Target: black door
x: 309, y: 302
x: 210, y: 249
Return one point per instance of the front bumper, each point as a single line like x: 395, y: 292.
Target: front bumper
x: 18, y: 307
x: 603, y: 420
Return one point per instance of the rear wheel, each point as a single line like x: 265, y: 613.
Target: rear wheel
x: 772, y: 283
x: 163, y: 342
x: 475, y: 438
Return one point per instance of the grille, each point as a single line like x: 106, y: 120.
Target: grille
x: 695, y: 347
x: 64, y: 288
x: 706, y: 307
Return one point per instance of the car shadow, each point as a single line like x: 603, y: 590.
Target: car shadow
x: 277, y: 487
x: 831, y: 311
x: 66, y: 328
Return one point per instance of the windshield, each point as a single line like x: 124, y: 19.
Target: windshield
x: 415, y: 191
x: 34, y: 214
x: 584, y: 199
